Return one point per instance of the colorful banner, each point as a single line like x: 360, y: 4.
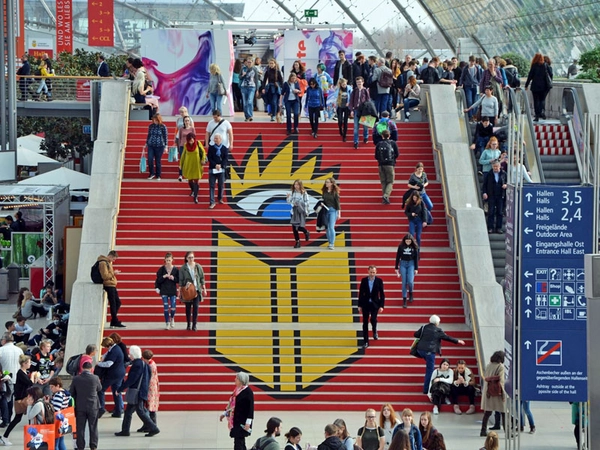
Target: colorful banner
x: 64, y: 26
x: 100, y: 23
x: 178, y: 62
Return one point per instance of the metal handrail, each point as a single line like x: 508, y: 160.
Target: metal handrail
x: 461, y: 100
x: 520, y: 103
x: 579, y: 130
x: 65, y: 88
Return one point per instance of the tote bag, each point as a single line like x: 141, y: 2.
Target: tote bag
x: 143, y: 162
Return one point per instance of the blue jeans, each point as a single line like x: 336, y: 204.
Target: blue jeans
x: 381, y: 103
x: 212, y: 179
x: 481, y: 143
x: 169, y: 304
x: 154, y: 158
x: 356, y: 127
x: 331, y: 218
x: 248, y: 100
x: 42, y: 87
x: 407, y: 272
x: 429, y: 358
x: 272, y: 99
x: 59, y: 443
x: 292, y: 107
x: 409, y: 103
x: 471, y: 95
x: 427, y: 200
x: 4, y: 411
x: 525, y: 409
x: 415, y: 227
x: 216, y: 101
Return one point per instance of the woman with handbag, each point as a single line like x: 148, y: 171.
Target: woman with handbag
x: 191, y: 281
x: 157, y: 143
x: 298, y: 198
x: 216, y: 88
x: 440, y: 385
x: 167, y: 278
x: 23, y: 383
x: 137, y: 385
x: 493, y: 396
x: 192, y: 158
x: 186, y: 128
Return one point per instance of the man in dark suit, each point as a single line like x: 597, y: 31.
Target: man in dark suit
x: 103, y: 69
x: 24, y: 71
x: 343, y: 69
x: 85, y: 389
x: 371, y: 299
x: 494, y: 191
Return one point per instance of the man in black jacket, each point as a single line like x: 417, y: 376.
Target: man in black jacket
x: 343, y: 69
x: 371, y: 299
x: 494, y: 190
x: 332, y: 441
x: 430, y: 343
x: 23, y: 71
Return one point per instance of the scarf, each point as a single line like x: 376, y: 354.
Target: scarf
x: 192, y: 148
x: 231, y: 405
x: 218, y: 147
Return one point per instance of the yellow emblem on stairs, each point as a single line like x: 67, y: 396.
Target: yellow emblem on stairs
x: 287, y: 316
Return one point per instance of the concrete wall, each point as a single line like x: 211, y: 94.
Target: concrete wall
x: 482, y: 295
x: 88, y: 302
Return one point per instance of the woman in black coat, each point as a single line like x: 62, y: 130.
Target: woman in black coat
x: 240, y: 411
x: 539, y: 75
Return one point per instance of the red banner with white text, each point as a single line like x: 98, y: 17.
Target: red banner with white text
x: 64, y: 26
x: 100, y: 23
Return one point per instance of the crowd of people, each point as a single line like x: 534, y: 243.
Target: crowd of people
x: 386, y: 430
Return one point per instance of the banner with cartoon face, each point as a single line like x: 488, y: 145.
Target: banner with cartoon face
x: 38, y: 437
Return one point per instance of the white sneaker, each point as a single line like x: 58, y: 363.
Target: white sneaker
x: 330, y: 247
x: 172, y: 323
x: 151, y: 177
x: 435, y: 410
x: 448, y: 402
x: 167, y: 326
x: 4, y: 441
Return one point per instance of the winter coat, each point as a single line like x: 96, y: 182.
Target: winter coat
x: 493, y: 403
x: 191, y: 162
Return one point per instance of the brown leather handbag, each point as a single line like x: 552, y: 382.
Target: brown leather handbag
x: 188, y: 292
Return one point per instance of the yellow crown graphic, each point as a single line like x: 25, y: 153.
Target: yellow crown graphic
x: 282, y: 167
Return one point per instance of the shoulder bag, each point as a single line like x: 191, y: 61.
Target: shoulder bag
x: 221, y: 86
x: 548, y: 77
x: 132, y: 396
x: 413, y: 347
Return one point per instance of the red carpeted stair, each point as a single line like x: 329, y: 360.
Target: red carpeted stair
x: 285, y: 315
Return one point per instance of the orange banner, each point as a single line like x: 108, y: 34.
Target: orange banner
x: 100, y: 23
x: 64, y: 26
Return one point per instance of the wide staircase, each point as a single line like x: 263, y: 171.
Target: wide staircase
x: 557, y: 153
x: 287, y: 316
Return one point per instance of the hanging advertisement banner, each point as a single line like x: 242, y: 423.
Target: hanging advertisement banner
x: 64, y: 26
x: 100, y: 23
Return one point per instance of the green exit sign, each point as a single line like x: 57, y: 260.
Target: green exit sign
x: 311, y: 13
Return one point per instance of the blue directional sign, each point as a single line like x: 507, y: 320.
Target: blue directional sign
x: 87, y: 129
x: 557, y: 230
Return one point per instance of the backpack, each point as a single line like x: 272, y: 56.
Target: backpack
x: 386, y: 79
x: 258, y: 446
x: 385, y: 152
x: 73, y: 364
x: 382, y: 125
x: 48, y: 412
x: 494, y: 389
x: 512, y: 77
x: 95, y: 274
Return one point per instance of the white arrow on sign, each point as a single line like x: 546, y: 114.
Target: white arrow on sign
x: 528, y: 247
x: 527, y: 344
x: 528, y: 313
x: 529, y: 286
x: 528, y: 300
x: 528, y: 230
x: 528, y: 213
x: 529, y: 195
x: 527, y: 274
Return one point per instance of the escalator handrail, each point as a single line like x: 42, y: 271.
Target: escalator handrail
x: 579, y: 140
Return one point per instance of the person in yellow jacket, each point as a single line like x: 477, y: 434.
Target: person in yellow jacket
x: 192, y: 158
x: 45, y: 85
